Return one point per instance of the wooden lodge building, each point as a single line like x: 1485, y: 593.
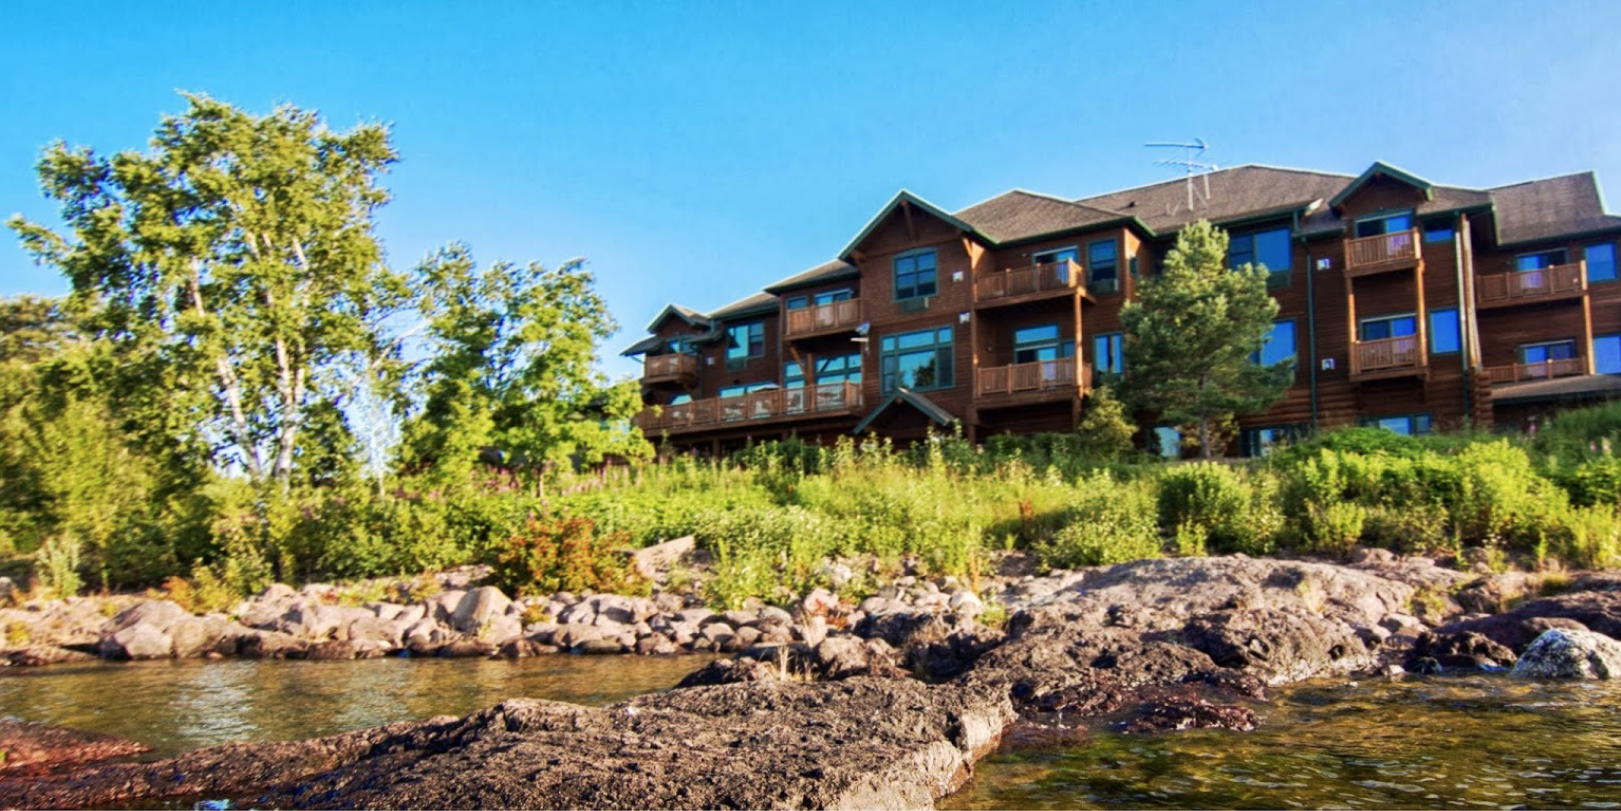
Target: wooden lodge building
x: 1407, y: 304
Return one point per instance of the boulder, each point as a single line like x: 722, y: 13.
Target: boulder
x: 139, y: 641
x: 658, y: 558
x: 1563, y: 653
x: 1278, y: 646
x: 478, y: 607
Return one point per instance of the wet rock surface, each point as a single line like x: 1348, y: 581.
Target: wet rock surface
x: 34, y: 750
x: 855, y: 744
x: 1562, y: 653
x: 823, y: 702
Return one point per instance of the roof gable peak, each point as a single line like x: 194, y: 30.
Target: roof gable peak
x: 1382, y: 169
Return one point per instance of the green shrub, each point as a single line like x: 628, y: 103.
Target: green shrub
x: 1109, y: 523
x: 1408, y: 529
x: 56, y: 564
x: 1592, y: 481
x: 1333, y: 528
x: 1217, y: 499
x: 565, y: 554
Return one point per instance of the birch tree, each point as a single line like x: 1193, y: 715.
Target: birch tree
x: 233, y: 269
x: 1193, y: 337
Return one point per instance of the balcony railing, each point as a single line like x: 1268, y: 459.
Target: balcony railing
x: 1383, y: 252
x: 1386, y: 354
x: 1541, y: 370
x: 1063, y: 275
x: 821, y: 400
x: 1528, y: 286
x: 834, y: 317
x: 669, y: 367
x: 1041, y: 375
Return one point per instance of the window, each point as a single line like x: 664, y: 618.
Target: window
x: 833, y: 369
x: 1384, y: 224
x: 1438, y: 231
x: 1269, y: 248
x: 915, y: 275
x: 739, y: 391
x: 1404, y: 424
x: 1600, y: 262
x: 1547, y: 351
x: 747, y: 341
x: 833, y: 295
x: 1103, y: 267
x: 683, y: 345
x: 1279, y: 345
x: 1537, y: 261
x: 1106, y: 356
x: 917, y: 360
x: 1445, y: 336
x: 798, y: 302
x: 1261, y: 441
x: 1071, y: 253
x: 1388, y: 326
x: 1166, y: 442
x: 1607, y: 354
x: 1033, y: 344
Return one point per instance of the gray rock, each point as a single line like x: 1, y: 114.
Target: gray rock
x: 580, y: 613
x: 1566, y: 653
x: 615, y: 608
x: 599, y: 647
x: 477, y: 607
x: 772, y: 615
x: 386, y: 611
x: 575, y: 634
x: 443, y: 605
x: 138, y: 641
x: 376, y: 630
x: 658, y: 558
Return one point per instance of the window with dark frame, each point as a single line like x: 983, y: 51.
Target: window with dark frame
x: 921, y: 361
x: 1043, y: 343
x: 1601, y: 266
x: 916, y: 275
x: 1103, y: 266
x: 746, y: 341
x: 1446, y: 333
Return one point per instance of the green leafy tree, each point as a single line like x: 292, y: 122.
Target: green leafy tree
x: 512, y: 370
x: 1193, y: 334
x: 233, y: 272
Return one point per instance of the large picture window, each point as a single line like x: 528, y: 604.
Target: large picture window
x: 832, y: 369
x: 1600, y: 262
x: 1279, y: 344
x: 915, y: 275
x: 917, y: 360
x: 1607, y: 354
x: 1388, y: 326
x: 1106, y: 353
x: 1446, y: 335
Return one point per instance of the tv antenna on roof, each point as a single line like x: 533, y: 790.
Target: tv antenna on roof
x: 1190, y: 162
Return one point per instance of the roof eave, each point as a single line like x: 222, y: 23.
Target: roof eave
x: 905, y: 196
x: 1382, y: 168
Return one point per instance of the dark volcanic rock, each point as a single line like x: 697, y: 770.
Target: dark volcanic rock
x: 1593, y: 604
x: 1173, y: 715
x: 859, y: 743
x: 1460, y: 650
x: 1279, y: 646
x: 31, y: 750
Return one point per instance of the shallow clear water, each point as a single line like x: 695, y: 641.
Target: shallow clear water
x: 1448, y: 742
x: 180, y: 705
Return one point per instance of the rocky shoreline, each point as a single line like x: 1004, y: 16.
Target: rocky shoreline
x: 883, y: 703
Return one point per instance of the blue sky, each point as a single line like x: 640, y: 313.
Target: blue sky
x: 696, y: 151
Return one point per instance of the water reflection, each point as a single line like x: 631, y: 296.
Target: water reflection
x: 177, y: 706
x: 1442, y: 743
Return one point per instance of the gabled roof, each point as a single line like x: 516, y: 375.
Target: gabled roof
x: 1382, y: 169
x: 756, y: 304
x: 1020, y: 214
x: 825, y: 272
x: 686, y: 314
x: 1557, y: 206
x: 644, y: 346
x: 1581, y: 387
x: 1237, y: 193
x: 905, y: 197
x: 904, y: 395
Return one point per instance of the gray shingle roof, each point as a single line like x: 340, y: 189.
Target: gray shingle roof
x: 1540, y: 209
x: 825, y: 272
x: 1235, y: 193
x: 1559, y: 388
x: 1020, y: 214
x: 753, y: 305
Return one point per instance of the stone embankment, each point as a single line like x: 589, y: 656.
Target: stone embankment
x: 820, y: 704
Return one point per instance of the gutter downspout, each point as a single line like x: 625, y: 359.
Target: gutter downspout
x: 1311, y: 322
x: 1465, y: 316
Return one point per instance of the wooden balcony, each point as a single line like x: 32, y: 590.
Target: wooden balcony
x: 676, y: 368
x: 1557, y: 283
x: 824, y: 319
x: 1383, y: 253
x: 1019, y: 285
x: 1542, y: 370
x: 759, y: 408
x: 1034, y: 382
x: 1388, y: 357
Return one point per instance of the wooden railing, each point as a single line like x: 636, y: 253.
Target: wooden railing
x: 1541, y: 370
x: 1386, y: 353
x: 823, y: 317
x: 1063, y: 275
x: 1384, y: 249
x: 1531, y: 285
x: 1037, y: 376
x: 669, y: 366
x: 761, y: 405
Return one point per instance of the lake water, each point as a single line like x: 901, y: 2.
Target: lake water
x: 1442, y: 742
